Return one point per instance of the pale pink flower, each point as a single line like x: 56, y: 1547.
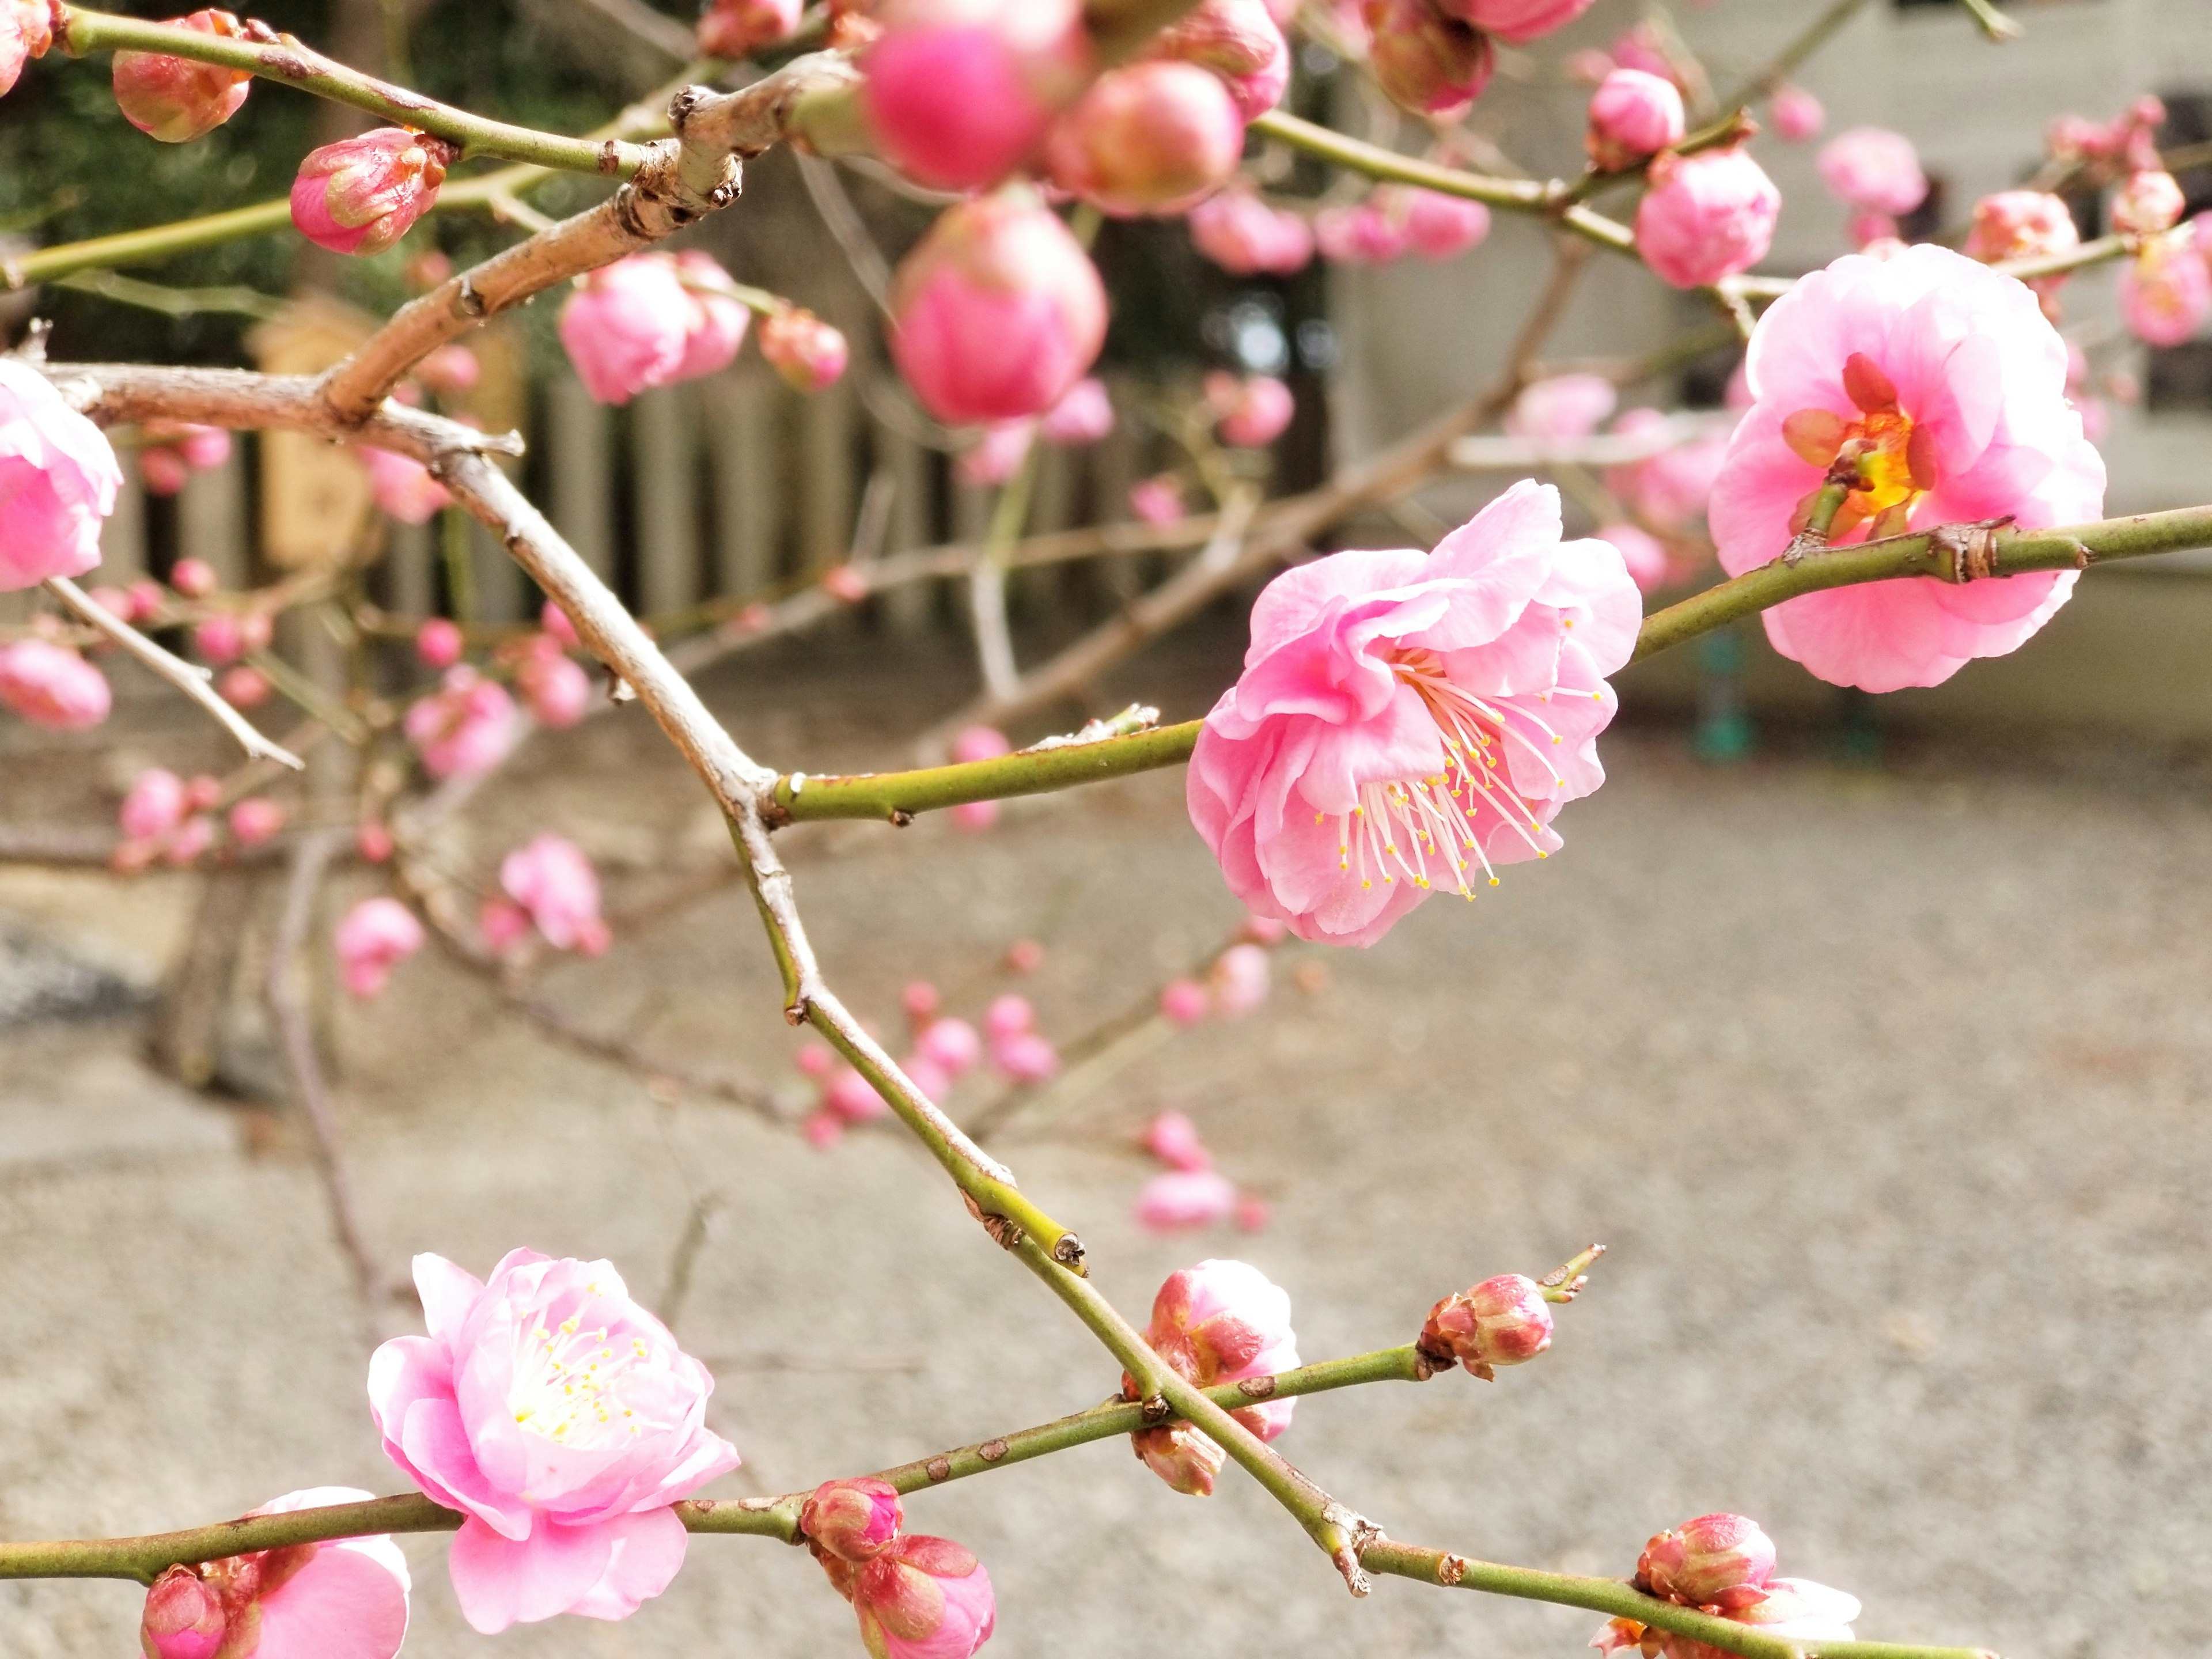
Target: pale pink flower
x: 1085, y: 416
x: 1008, y: 1015
x: 2021, y: 224
x: 1153, y: 137
x: 376, y: 936
x: 2148, y: 201
x: 1430, y: 63
x: 1633, y: 116
x: 923, y: 1598
x: 1518, y: 20
x: 951, y: 1044
x: 1249, y: 413
x: 1173, y: 1139
x: 404, y: 488
x: 58, y: 478
x: 1158, y: 499
x: 556, y: 690
x: 343, y: 1598
x: 1177, y: 1198
x: 1643, y: 554
x: 557, y: 626
x: 715, y: 328
x: 1184, y: 1002
x: 809, y: 354
x: 439, y: 642
x: 1220, y: 1322
x: 1240, y: 41
x: 854, y: 1519
x: 464, y: 728
x: 1798, y: 114
x: 1501, y: 1321
x: 998, y: 454
x: 627, y: 326
x: 1366, y: 233
x: 997, y: 312
x: 362, y: 195
x: 255, y: 820
x: 960, y: 91
x: 1716, y: 1560
x: 176, y: 98
x: 1431, y: 223
x: 1874, y: 168
x: 563, y: 1420
x: 1795, y: 1609
x: 1668, y: 490
x: 1244, y: 236
x: 1562, y: 406
x: 1705, y: 216
x: 732, y: 28
x: 1238, y: 980
x: 1952, y: 384
x: 53, y: 686
x: 1025, y: 1057
x: 1407, y: 719
x: 550, y: 878
x: 2166, y: 290
x: 154, y: 806
x: 25, y: 32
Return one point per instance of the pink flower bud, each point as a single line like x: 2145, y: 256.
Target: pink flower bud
x: 714, y: 327
x: 115, y: 601
x: 1188, y: 1459
x: 255, y: 820
x: 439, y: 642
x: 243, y: 687
x: 980, y: 742
x: 556, y: 690
x: 51, y: 686
x: 732, y: 28
x: 176, y: 98
x: 465, y: 728
x: 1434, y: 225
x: 1008, y: 1015
x: 550, y: 878
x: 806, y: 351
x: 1518, y: 20
x: 201, y: 793
x: 816, y: 1060
x: 951, y: 1044
x: 1643, y: 554
x: 2020, y: 224
x: 1874, y: 168
x: 25, y: 32
x: 163, y: 472
x: 1158, y: 500
x: 822, y: 1129
x: 362, y: 195
x: 854, y: 1520
x: 974, y: 814
x: 1244, y: 236
x: 1706, y: 216
x: 1252, y: 1213
x: 997, y: 312
x: 1562, y: 406
x: 154, y: 806
x: 1173, y: 1139
x: 1085, y: 416
x: 375, y: 937
x: 193, y: 838
x: 450, y: 370
x: 1240, y: 41
x: 147, y: 599
x: 374, y: 841
x: 960, y: 91
x: 1178, y: 1198
x: 58, y: 480
x: 1183, y: 1001
x: 921, y: 1001
x: 2147, y: 202
x: 555, y: 620
x: 627, y: 326
x: 1250, y: 413
x: 1430, y: 63
x: 1716, y: 1560
x: 1025, y: 1057
x: 852, y: 1096
x: 1152, y: 137
x: 1225, y: 1322
x: 1265, y: 930
x: 1797, y: 113
x: 1239, y: 980
x: 926, y: 1075
x: 2165, y: 292
x: 924, y: 1598
x: 1632, y: 116
x: 403, y: 489
x: 184, y: 1618
x: 1501, y: 1321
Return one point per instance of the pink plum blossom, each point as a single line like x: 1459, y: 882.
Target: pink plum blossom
x: 1245, y: 237
x: 1184, y: 1002
x: 2166, y: 290
x: 847, y: 1094
x: 960, y: 91
x: 715, y: 326
x: 997, y: 312
x: 464, y: 728
x: 154, y: 806
x: 951, y: 1044
x: 449, y: 370
x: 58, y: 478
x: 230, y: 635
x: 1220, y: 1322
x: 1405, y: 719
x: 1432, y: 224
x: 1562, y: 406
x: 854, y: 1519
x: 2022, y: 224
x: 1518, y: 20
x: 1249, y: 413
x: 362, y: 195
x: 809, y: 354
x: 1643, y: 554
x: 1706, y: 216
x: 1173, y: 1139
x: 626, y: 327
x: 1085, y: 416
x: 53, y: 686
x: 1716, y: 1560
x: 193, y: 838
x: 439, y: 642
x: 550, y: 878
x: 1668, y: 490
x: 1950, y: 384
x: 1501, y: 1321
x: 556, y: 689
x: 1008, y: 1015
x: 1177, y: 1198
x: 342, y: 1598
x: 732, y: 28
x: 372, y: 841
x: 1425, y: 60
x: 563, y: 1420
x: 1152, y: 137
x: 176, y: 99
x: 1633, y: 116
x: 1240, y: 41
x: 503, y: 923
x: 557, y: 626
x: 25, y: 32
x: 1797, y: 113
x: 998, y: 454
x: 404, y: 488
x: 1874, y: 168
x: 375, y: 937
x: 1025, y: 1057
x: 255, y: 820
x: 923, y: 1598
x: 1238, y: 980
x: 980, y: 742
x: 2148, y: 201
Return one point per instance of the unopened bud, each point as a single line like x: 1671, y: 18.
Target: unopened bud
x: 176, y: 98
x: 854, y: 1520
x: 1720, y: 1561
x: 1427, y: 61
x: 1503, y: 1321
x: 194, y: 578
x: 362, y: 195
x: 1633, y: 115
x: 2147, y: 202
x: 1188, y: 1459
x: 924, y: 1598
x: 183, y: 1618
x: 806, y: 351
x: 1153, y: 137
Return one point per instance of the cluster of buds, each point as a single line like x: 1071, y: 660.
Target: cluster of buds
x: 549, y: 886
x: 1504, y: 1320
x: 2024, y: 224
x: 1396, y: 220
x: 2104, y: 150
x: 465, y: 728
x: 1246, y: 237
x: 1724, y: 1565
x: 1188, y: 1191
x: 916, y: 1597
x: 53, y: 686
x: 376, y: 936
x: 170, y: 452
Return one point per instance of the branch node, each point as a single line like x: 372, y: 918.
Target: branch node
x: 938, y: 1467
x: 468, y: 301
x: 610, y: 157
x: 1156, y: 1409
x: 1451, y: 1570
x: 1257, y: 1388
x: 1004, y: 1233
x: 900, y: 818
x: 794, y: 1013
x: 991, y: 1451
x: 1068, y: 1251
x: 1969, y: 550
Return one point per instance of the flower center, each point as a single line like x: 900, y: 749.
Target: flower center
x: 568, y: 1381
x: 1434, y: 829
x: 1895, y: 460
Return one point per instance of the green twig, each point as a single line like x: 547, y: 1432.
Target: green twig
x: 237, y: 302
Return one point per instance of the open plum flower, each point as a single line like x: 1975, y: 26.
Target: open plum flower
x: 1946, y: 381
x: 1408, y: 720
x: 563, y: 1420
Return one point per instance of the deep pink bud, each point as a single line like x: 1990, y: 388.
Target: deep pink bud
x: 1501, y: 1321
x: 852, y: 1096
x: 243, y: 687
x: 1085, y: 416
x: 1238, y: 980
x: 1152, y: 137
x: 627, y: 326
x: 450, y: 369
x: 194, y: 578
x: 25, y: 32
x: 1874, y: 168
x: 921, y: 1001
x: 924, y: 1598
x: 1633, y: 116
x: 1706, y: 216
x: 1716, y: 1560
x: 998, y: 454
x: 1239, y: 41
x: 980, y: 742
x: 177, y: 99
x: 1158, y: 500
x: 50, y: 685
x: 1025, y: 1056
x: 951, y: 1044
x: 551, y: 877
x: 1024, y: 955
x: 1008, y: 1015
x: 362, y: 195
x: 439, y: 642
x: 961, y: 92
x: 1371, y: 233
x: 555, y: 620
x: 2166, y: 293
x: 1183, y: 1001
x: 806, y: 351
x: 1518, y: 20
x: 1250, y: 413
x: 147, y: 599
x: 154, y: 806
x: 402, y: 487
x: 731, y: 28
x: 716, y: 321
x: 162, y: 471
x: 183, y: 1619
x: 374, y: 841
x: 202, y: 792
x: 1173, y: 1139
x: 2020, y: 224
x: 2147, y: 202
x: 1431, y: 64
x: 1432, y: 224
x: 997, y: 312
x: 375, y: 937
x: 854, y: 1520
x: 255, y: 820
x: 1798, y: 114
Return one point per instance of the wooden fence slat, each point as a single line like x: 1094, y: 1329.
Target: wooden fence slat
x: 580, y: 447
x: 748, y: 498
x: 411, y: 583
x: 211, y: 520
x: 123, y: 537
x: 827, y: 428
x: 664, y: 445
x: 908, y: 611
